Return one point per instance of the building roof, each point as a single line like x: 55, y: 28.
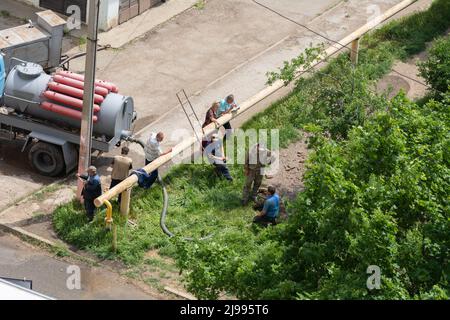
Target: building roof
x: 17, y: 36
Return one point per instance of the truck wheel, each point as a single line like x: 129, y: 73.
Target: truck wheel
x: 47, y: 159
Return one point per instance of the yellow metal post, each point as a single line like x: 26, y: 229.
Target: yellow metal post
x: 109, y: 211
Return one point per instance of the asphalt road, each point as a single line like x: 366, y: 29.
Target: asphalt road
x: 50, y: 275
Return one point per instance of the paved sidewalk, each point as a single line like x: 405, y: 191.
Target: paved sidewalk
x: 226, y: 47
x: 140, y: 25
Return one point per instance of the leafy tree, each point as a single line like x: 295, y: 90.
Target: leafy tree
x: 378, y: 198
x: 436, y: 69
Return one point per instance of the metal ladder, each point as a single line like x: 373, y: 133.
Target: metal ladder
x: 189, y: 111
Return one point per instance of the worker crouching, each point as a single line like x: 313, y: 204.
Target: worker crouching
x: 270, y: 210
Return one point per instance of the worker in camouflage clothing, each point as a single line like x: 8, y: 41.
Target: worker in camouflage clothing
x: 257, y: 158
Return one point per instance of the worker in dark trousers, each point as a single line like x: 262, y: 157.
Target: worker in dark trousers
x: 121, y: 168
x: 226, y: 106
x: 271, y: 208
x: 216, y: 156
x: 92, y: 189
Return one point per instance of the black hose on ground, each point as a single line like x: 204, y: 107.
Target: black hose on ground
x: 162, y: 220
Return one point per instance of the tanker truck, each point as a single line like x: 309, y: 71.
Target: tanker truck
x: 45, y: 110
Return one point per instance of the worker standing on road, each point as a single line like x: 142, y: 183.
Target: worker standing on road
x: 153, y: 151
x: 121, y: 168
x: 270, y: 210
x: 92, y: 189
x: 226, y: 106
x: 216, y: 156
x: 255, y: 160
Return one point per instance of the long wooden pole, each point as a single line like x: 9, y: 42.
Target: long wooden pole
x: 187, y: 143
x: 84, y: 159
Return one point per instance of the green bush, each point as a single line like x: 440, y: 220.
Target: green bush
x: 376, y: 193
x: 378, y: 198
x: 410, y: 35
x: 436, y: 69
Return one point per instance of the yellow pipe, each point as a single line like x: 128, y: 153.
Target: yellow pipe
x: 109, y: 212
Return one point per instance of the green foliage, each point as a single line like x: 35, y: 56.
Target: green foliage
x: 4, y: 13
x: 411, y: 34
x: 199, y: 204
x: 290, y: 70
x: 378, y: 198
x: 376, y: 192
x: 436, y: 69
x: 200, y: 4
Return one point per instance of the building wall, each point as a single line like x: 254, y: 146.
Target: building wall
x: 32, y: 2
x: 108, y: 15
x: 109, y: 12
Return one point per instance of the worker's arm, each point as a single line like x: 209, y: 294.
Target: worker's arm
x: 212, y: 117
x: 166, y: 152
x: 83, y: 177
x: 232, y: 108
x: 213, y: 157
x: 265, y: 208
x: 228, y: 111
x: 215, y: 121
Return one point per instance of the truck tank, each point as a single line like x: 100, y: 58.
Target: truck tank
x: 58, y: 98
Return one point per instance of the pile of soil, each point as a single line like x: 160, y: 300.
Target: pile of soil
x: 289, y: 178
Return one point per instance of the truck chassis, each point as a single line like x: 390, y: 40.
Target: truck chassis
x: 52, y: 150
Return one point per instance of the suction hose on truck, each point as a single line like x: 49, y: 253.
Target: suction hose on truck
x: 162, y: 220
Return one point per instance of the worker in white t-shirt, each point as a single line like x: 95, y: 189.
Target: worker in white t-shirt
x: 153, y: 151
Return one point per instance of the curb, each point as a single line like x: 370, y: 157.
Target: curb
x: 40, y: 241
x: 28, y: 236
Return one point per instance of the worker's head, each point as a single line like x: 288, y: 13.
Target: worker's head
x: 125, y: 151
x: 92, y: 170
x: 271, y: 190
x: 230, y: 99
x: 215, y: 106
x: 160, y: 136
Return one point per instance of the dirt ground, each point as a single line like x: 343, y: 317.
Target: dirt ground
x: 289, y: 178
x: 393, y: 83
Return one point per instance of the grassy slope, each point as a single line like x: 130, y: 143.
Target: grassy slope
x: 200, y: 203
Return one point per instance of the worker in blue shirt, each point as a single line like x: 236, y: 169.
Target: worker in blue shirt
x: 226, y: 106
x: 92, y: 189
x: 270, y: 210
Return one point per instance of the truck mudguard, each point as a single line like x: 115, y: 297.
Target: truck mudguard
x: 69, y: 149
